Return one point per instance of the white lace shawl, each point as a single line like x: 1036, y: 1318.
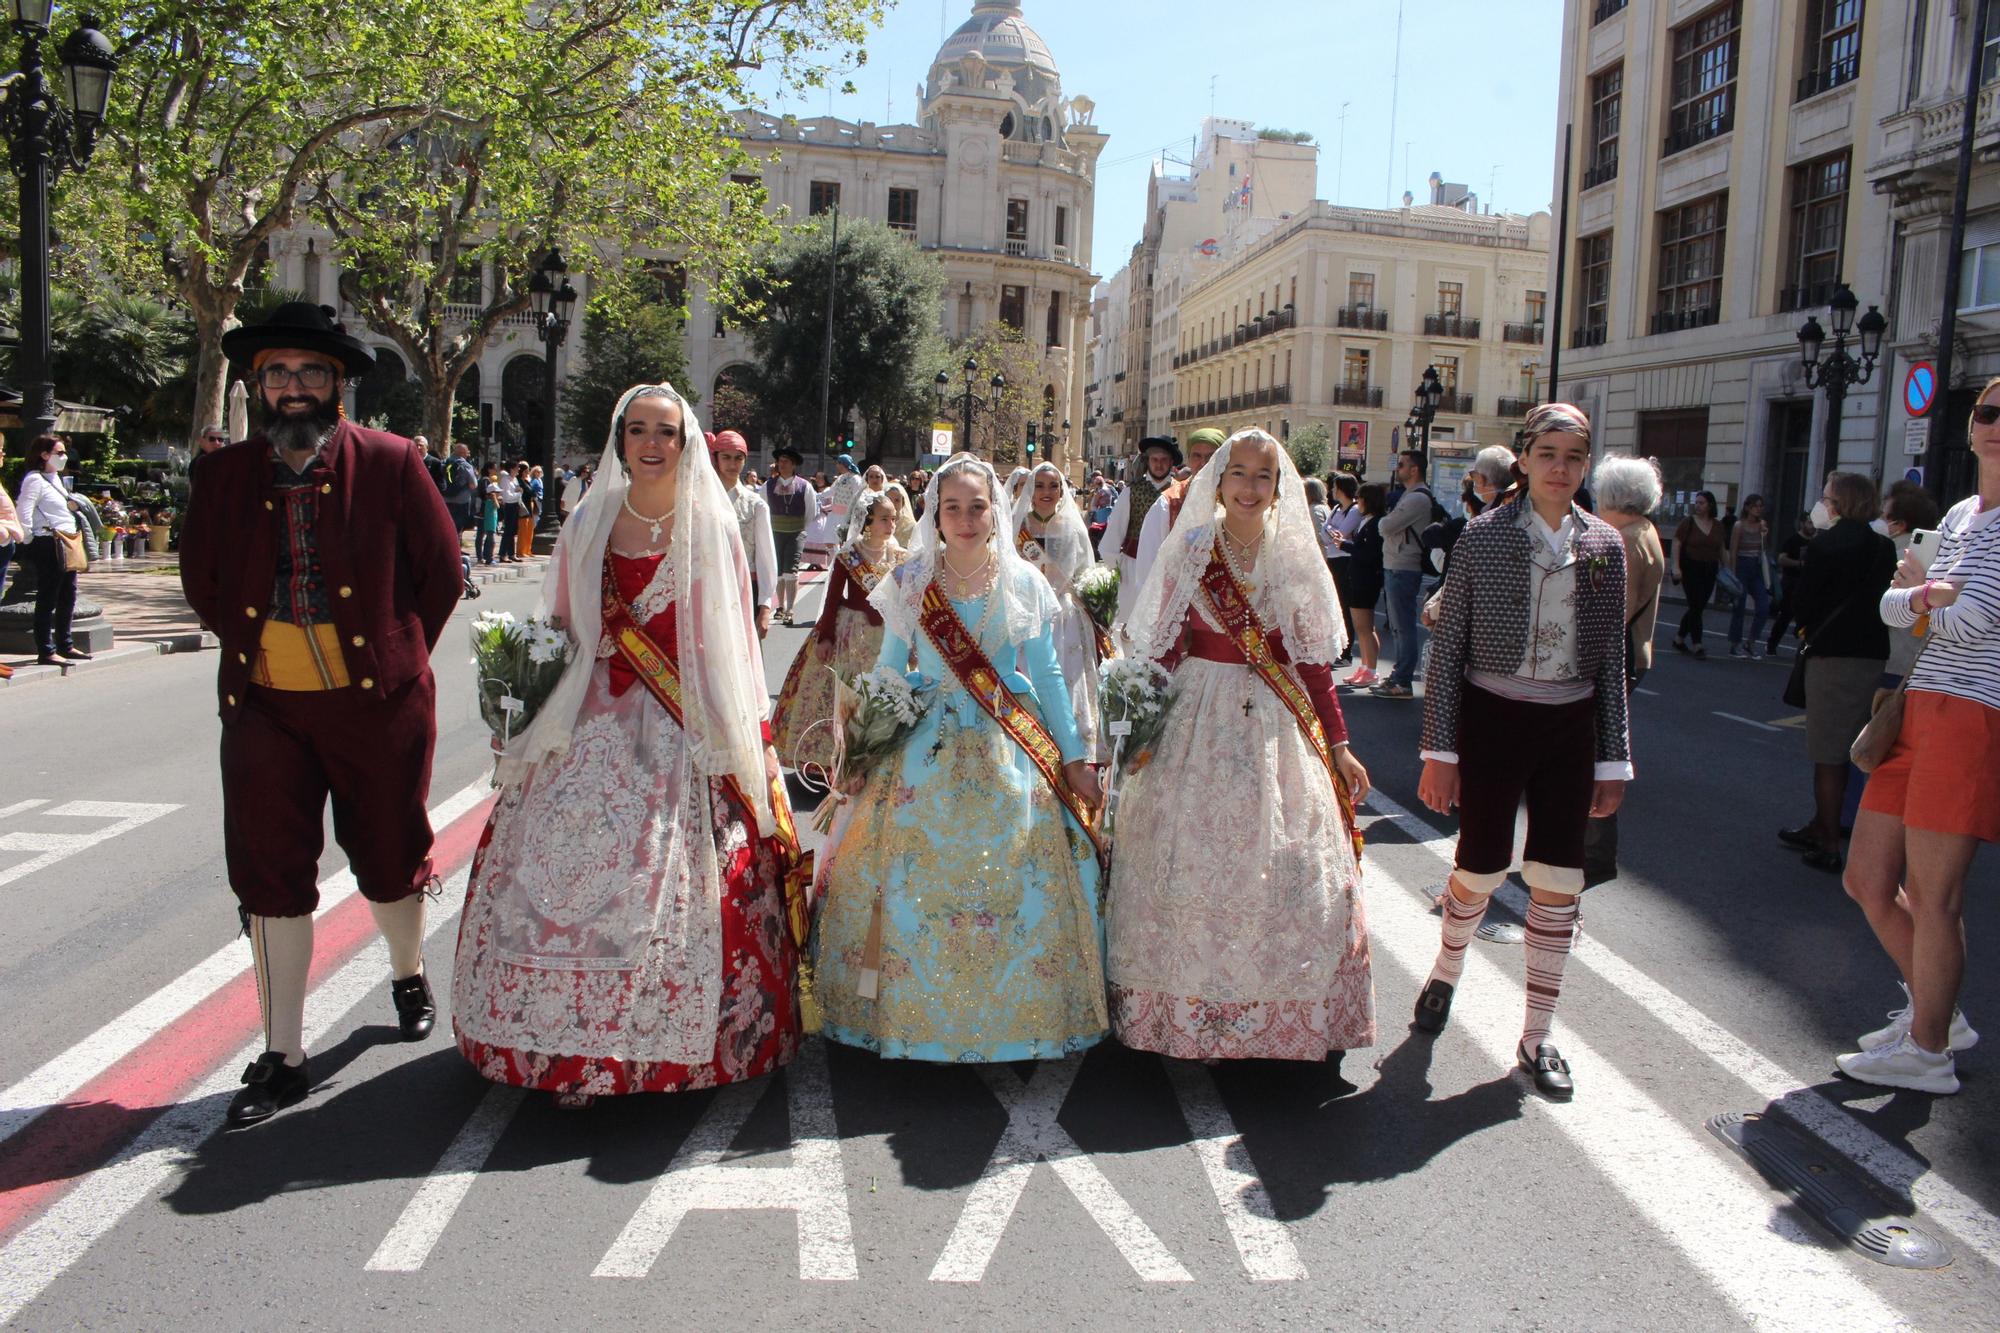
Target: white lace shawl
x: 1295, y: 590
x: 1028, y: 604
x: 1065, y: 541
x: 721, y: 665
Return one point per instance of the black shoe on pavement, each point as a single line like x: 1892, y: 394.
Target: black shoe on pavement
x: 1822, y: 860
x: 1801, y: 838
x: 73, y: 653
x: 416, y: 1011
x: 269, y: 1086
x: 47, y: 659
x: 1551, y: 1071
x: 1680, y: 645
x: 1433, y: 1007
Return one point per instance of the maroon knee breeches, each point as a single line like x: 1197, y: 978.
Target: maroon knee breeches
x: 287, y: 753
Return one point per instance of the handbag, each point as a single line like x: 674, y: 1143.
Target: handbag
x: 1795, y: 684
x: 1731, y: 586
x: 1872, y: 746
x: 75, y: 560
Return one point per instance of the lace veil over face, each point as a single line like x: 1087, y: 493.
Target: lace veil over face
x: 721, y: 665
x: 1027, y: 602
x: 1294, y: 589
x: 1064, y: 538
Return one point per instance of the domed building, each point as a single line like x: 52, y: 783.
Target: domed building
x: 997, y: 179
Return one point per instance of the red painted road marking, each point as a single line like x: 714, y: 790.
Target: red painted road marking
x: 52, y: 1152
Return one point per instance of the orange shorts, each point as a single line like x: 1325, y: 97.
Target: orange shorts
x: 1944, y: 773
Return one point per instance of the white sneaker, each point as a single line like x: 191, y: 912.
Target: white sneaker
x: 1962, y: 1037
x: 1902, y: 1064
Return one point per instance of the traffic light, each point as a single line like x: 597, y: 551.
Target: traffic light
x: 1031, y: 440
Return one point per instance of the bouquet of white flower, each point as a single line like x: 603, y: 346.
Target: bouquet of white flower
x: 873, y: 713
x: 1097, y: 589
x: 518, y: 664
x: 1132, y: 695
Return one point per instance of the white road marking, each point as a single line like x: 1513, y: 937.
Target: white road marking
x: 1641, y: 689
x: 1264, y: 1242
x: 1032, y: 1135
x: 813, y: 1188
x: 19, y: 808
x: 1774, y: 1268
x: 124, y: 816
x: 46, y: 1248
x: 426, y: 1216
x: 59, y: 1079
x: 1894, y: 1167
x: 1761, y: 726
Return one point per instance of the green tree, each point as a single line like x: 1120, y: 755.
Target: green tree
x: 885, y: 340
x: 1000, y: 436
x: 1311, y: 448
x: 626, y: 341
x: 605, y: 126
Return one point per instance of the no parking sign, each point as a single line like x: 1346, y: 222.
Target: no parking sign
x: 1919, y: 388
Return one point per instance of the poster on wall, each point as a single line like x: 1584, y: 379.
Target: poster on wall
x: 1353, y: 446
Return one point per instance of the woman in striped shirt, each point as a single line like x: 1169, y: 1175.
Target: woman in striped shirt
x: 1937, y: 796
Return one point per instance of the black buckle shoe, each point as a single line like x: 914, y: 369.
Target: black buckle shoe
x: 1551, y: 1071
x: 416, y: 1012
x: 1804, y: 838
x: 1433, y: 1007
x: 269, y: 1086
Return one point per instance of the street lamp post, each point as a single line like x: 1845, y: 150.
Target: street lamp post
x: 551, y: 297
x: 1423, y: 409
x: 43, y: 139
x: 1048, y: 433
x: 1836, y: 371
x: 969, y: 402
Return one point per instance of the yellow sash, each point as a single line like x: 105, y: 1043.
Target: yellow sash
x: 1241, y: 623
x: 656, y: 671
x: 299, y: 658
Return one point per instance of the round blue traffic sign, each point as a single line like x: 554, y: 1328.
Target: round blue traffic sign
x: 1919, y: 388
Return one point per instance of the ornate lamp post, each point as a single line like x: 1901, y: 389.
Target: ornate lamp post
x: 551, y: 297
x: 969, y: 403
x: 45, y: 138
x: 1423, y: 409
x: 1836, y: 371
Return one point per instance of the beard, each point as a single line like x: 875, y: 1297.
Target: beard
x: 299, y: 432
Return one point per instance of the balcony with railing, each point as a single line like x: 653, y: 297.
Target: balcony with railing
x: 1603, y: 170
x: 1356, y: 395
x: 1531, y: 334
x: 1281, y: 394
x: 1516, y: 407
x: 1017, y: 247
x: 1450, y: 326
x: 1362, y: 317
x: 1588, y: 335
x: 1605, y: 9
x: 1062, y: 254
x: 1817, y: 81
x: 1700, y: 131
x: 1674, y: 321
x: 1462, y: 404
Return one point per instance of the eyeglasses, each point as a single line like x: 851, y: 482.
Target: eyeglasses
x: 306, y: 377
x: 1986, y: 413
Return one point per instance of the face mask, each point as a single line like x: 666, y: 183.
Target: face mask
x: 57, y: 462
x: 1822, y: 517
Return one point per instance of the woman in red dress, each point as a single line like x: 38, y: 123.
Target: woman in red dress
x: 626, y: 927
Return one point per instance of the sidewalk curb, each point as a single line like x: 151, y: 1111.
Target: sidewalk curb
x: 139, y: 650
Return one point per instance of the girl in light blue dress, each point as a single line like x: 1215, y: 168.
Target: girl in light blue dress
x: 960, y: 913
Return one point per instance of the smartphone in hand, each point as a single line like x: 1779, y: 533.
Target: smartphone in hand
x: 1923, y: 547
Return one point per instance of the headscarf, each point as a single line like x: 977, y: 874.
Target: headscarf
x: 1065, y: 541
x: 721, y: 667
x: 1028, y: 603
x: 906, y: 516
x: 1208, y: 435
x: 846, y: 463
x: 1294, y: 590
x: 858, y: 514
x: 1014, y: 480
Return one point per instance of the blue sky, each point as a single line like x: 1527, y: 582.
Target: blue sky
x: 1477, y: 101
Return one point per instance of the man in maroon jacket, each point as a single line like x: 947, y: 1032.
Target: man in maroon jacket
x: 324, y: 559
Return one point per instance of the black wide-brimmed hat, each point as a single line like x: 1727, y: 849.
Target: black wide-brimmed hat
x: 786, y: 451
x: 300, y: 326
x: 1164, y: 443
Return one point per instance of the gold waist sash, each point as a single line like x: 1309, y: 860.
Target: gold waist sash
x: 300, y: 658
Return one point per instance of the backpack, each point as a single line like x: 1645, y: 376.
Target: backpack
x: 1439, y: 514
x: 436, y: 467
x: 457, y: 483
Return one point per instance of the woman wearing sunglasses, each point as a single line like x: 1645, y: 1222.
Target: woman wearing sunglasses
x: 1937, y: 796
x: 48, y: 514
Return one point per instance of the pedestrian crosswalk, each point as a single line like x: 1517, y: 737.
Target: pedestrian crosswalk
x: 1719, y: 1222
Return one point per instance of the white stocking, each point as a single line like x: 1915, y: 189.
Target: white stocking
x: 402, y: 927
x: 281, y: 948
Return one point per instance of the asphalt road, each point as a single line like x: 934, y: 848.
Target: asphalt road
x: 1423, y: 1184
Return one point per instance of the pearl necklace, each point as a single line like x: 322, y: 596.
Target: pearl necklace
x: 967, y: 582
x: 653, y: 523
